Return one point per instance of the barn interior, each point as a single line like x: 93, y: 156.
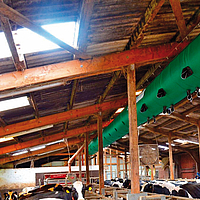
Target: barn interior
x: 76, y: 83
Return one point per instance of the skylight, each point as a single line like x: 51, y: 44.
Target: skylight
x: 185, y: 141
x: 29, y: 42
x: 119, y: 110
x: 14, y: 103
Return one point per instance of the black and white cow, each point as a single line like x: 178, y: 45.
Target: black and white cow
x: 167, y: 188
x: 10, y: 195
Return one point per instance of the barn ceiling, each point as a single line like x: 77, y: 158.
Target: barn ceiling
x: 68, y: 86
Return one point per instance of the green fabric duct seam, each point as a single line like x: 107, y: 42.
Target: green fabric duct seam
x: 170, y: 80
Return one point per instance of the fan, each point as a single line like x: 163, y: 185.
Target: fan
x: 149, y: 154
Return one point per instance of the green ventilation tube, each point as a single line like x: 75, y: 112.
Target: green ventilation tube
x: 175, y: 82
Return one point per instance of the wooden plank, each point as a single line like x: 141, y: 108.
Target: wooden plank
x: 47, y: 139
x: 61, y: 117
x: 98, y: 65
x: 100, y: 151
x: 15, y: 16
x: 176, y: 7
x: 87, y: 159
x: 171, y: 157
x: 19, y: 65
x: 84, y: 21
x: 138, y: 33
x: 133, y: 132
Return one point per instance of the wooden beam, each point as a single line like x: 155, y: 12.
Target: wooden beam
x: 74, y: 156
x: 191, y: 25
x: 87, y: 159
x: 73, y: 93
x: 176, y: 7
x: 19, y: 65
x: 100, y: 151
x: 47, y: 139
x: 147, y: 76
x: 171, y: 158
x: 34, y: 104
x: 133, y: 132
x: 37, y: 157
x: 181, y: 117
x: 79, y: 167
x: 110, y: 85
x: 125, y: 160
x: 61, y: 117
x: 15, y: 16
x: 38, y: 152
x: 138, y: 33
x: 98, y: 65
x: 84, y: 21
x: 2, y: 122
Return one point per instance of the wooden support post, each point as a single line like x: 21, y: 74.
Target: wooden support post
x: 111, y: 164
x: 125, y: 160
x: 198, y: 127
x: 100, y: 150
x: 118, y: 165
x: 152, y: 176
x: 133, y: 133
x: 79, y: 166
x: 171, y: 157
x: 87, y: 159
x: 82, y: 158
x: 105, y: 164
x: 97, y: 161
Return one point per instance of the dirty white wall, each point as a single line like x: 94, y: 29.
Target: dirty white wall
x: 25, y: 177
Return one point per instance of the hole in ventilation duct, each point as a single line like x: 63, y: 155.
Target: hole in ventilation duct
x: 186, y: 72
x: 123, y: 123
x: 115, y: 129
x: 161, y: 93
x: 143, y: 108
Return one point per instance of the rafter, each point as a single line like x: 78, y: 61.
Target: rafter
x: 110, y: 85
x: 138, y: 33
x: 181, y: 117
x: 73, y: 94
x: 37, y: 157
x: 2, y: 122
x: 51, y: 138
x: 34, y: 104
x: 99, y: 65
x: 61, y: 117
x: 84, y: 20
x: 163, y: 132
x: 15, y: 16
x: 19, y: 65
x: 176, y: 7
x: 49, y: 148
x: 147, y: 75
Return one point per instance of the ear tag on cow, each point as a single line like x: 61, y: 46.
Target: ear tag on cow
x: 67, y: 191
x: 51, y: 189
x: 90, y: 188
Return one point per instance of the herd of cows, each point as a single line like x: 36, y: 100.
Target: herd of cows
x: 51, y: 191
x: 77, y: 191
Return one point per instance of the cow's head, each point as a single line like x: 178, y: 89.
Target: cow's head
x: 10, y: 195
x: 77, y: 191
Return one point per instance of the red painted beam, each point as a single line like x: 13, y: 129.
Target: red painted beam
x: 61, y: 117
x: 51, y: 138
x: 98, y: 65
